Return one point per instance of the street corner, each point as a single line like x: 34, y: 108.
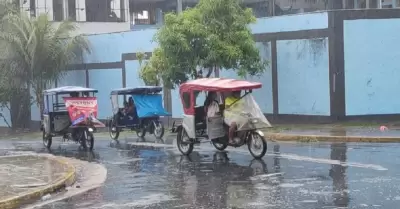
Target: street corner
x: 89, y: 177
x: 25, y: 179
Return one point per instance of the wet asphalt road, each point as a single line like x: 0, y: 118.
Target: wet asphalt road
x: 302, y: 176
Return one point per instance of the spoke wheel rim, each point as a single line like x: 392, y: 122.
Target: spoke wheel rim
x: 184, y: 146
x: 157, y: 129
x: 256, y: 144
x: 88, y: 139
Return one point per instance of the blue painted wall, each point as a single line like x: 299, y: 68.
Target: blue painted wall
x: 110, y: 47
x: 7, y: 117
x: 263, y: 96
x: 372, y: 70
x: 105, y: 80
x: 303, y: 77
x: 307, y: 21
x: 132, y: 73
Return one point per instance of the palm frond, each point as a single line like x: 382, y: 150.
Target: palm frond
x: 36, y: 51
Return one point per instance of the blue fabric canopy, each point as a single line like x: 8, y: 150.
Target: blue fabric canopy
x: 149, y: 105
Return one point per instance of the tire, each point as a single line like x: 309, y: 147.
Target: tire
x: 47, y: 140
x: 160, y: 134
x: 219, y: 146
x: 113, y: 134
x: 87, y: 140
x: 179, y: 139
x: 263, y: 145
x: 141, y: 133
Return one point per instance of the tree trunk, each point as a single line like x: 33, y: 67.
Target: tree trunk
x: 39, y: 103
x: 20, y: 110
x: 210, y: 70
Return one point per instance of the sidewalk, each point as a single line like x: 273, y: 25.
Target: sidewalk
x: 25, y: 179
x: 334, y: 133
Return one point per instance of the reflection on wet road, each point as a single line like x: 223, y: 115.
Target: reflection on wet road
x: 291, y: 176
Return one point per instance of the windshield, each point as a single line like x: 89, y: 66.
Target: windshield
x: 247, y: 114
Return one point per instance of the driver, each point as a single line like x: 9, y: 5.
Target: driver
x: 131, y: 110
x: 235, y: 104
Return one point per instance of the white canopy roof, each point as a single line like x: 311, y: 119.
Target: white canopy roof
x: 68, y: 89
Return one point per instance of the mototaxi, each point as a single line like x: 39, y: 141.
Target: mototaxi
x: 70, y: 112
x: 146, y: 114
x: 196, y: 127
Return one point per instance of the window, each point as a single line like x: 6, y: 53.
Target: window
x: 373, y: 3
x: 105, y: 11
x: 58, y: 10
x: 71, y: 10
x: 186, y: 100
x: 32, y: 8
x: 200, y: 98
x: 348, y: 4
x: 142, y: 18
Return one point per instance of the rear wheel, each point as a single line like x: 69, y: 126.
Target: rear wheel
x: 47, y: 139
x: 158, y: 129
x: 183, y: 142
x: 87, y: 140
x: 113, y: 130
x: 257, y: 145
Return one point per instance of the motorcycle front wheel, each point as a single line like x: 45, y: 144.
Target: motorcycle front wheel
x: 257, y: 145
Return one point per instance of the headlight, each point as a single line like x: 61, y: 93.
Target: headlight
x: 90, y: 129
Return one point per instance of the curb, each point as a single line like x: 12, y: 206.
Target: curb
x: 68, y: 179
x: 324, y: 138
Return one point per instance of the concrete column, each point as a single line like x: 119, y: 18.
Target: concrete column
x: 394, y: 3
x: 355, y: 4
x: 65, y: 9
x: 159, y: 16
x: 80, y: 10
x: 178, y: 6
x: 271, y: 7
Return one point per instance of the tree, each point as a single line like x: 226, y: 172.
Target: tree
x: 213, y: 35
x: 150, y: 71
x: 37, y: 52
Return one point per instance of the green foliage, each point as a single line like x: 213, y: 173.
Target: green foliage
x: 213, y: 35
x: 140, y: 56
x: 36, y: 52
x: 151, y: 71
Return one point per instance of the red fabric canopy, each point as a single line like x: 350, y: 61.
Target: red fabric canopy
x: 218, y: 84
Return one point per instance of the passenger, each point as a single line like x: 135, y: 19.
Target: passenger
x: 229, y: 117
x: 125, y: 109
x: 211, y: 105
x: 131, y: 106
x: 131, y: 110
